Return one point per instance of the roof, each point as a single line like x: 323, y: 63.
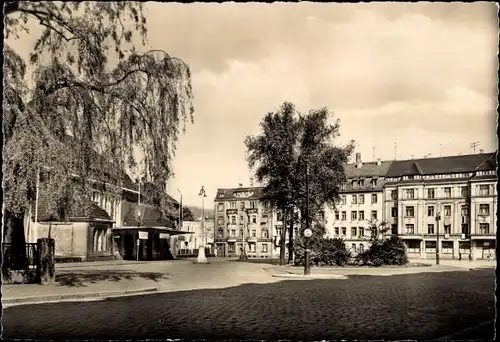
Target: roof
x: 371, y: 169
x: 92, y: 212
x: 443, y: 165
x: 241, y: 193
x: 152, y: 218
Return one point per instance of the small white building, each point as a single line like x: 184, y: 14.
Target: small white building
x: 190, y: 243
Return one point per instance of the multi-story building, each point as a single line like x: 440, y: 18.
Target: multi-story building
x: 361, y: 205
x: 242, y: 219
x: 462, y: 189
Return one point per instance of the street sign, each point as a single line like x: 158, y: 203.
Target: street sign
x: 143, y: 235
x: 164, y: 236
x: 308, y: 232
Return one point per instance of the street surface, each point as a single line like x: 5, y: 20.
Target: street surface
x: 412, y: 306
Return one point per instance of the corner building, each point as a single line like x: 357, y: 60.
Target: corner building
x: 361, y: 205
x: 461, y: 188
x: 242, y: 219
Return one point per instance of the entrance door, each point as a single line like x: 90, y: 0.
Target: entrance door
x: 129, y: 245
x: 221, y: 250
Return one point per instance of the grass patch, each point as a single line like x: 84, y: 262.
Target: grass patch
x: 259, y: 261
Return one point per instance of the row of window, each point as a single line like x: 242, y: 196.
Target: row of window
x: 484, y: 190
x: 233, y: 205
x: 355, y: 215
x: 232, y: 219
x: 342, y: 231
x: 360, y: 199
x: 359, y: 183
x: 444, y: 176
x: 484, y: 210
x: 264, y: 233
x: 251, y: 247
x: 484, y: 228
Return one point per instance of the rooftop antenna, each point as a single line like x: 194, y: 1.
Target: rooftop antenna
x: 474, y: 145
x: 395, y: 150
x: 373, y: 153
x: 440, y: 150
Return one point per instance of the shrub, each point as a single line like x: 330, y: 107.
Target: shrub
x: 391, y: 251
x: 324, y: 252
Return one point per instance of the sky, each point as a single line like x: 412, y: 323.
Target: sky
x: 421, y: 75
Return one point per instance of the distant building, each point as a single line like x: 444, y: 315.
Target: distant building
x: 242, y: 219
x: 191, y: 242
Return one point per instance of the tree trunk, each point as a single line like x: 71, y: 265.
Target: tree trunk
x: 13, y: 235
x: 290, y: 239
x: 283, y: 239
x: 46, y: 261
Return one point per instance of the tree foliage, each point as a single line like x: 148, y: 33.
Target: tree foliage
x: 390, y: 251
x: 89, y: 91
x: 324, y: 252
x: 291, y: 146
x: 187, y: 214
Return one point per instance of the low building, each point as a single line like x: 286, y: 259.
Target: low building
x: 191, y: 242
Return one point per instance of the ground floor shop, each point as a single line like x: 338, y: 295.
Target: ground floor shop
x: 254, y: 248
x: 451, y: 248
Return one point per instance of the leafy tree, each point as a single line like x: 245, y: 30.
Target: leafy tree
x: 378, y: 230
x: 291, y: 148
x: 89, y: 82
x: 187, y: 214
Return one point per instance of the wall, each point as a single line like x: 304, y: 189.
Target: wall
x: 70, y: 239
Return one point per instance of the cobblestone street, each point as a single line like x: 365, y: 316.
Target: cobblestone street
x: 411, y: 306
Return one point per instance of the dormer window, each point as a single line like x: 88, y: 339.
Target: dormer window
x: 354, y: 184
x: 373, y: 183
x: 360, y: 183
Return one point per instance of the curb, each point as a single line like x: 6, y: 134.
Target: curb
x: 310, y: 276
x: 459, y: 335
x: 55, y: 298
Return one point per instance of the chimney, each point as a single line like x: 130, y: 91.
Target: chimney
x: 251, y: 182
x: 359, y: 163
x: 379, y: 162
x: 481, y: 150
x: 240, y: 185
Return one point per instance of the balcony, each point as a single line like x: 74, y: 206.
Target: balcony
x: 232, y: 239
x: 252, y: 239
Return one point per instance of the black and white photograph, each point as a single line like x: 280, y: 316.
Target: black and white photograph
x: 249, y: 171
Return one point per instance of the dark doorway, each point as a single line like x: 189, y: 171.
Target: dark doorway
x: 129, y: 244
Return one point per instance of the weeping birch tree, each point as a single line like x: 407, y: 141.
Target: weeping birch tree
x: 89, y: 87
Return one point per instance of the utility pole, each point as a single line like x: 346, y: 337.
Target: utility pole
x: 373, y: 153
x: 474, y: 145
x: 395, y: 150
x: 307, y: 266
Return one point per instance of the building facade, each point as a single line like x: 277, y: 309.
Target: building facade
x: 243, y: 221
x: 454, y: 197
x: 361, y: 204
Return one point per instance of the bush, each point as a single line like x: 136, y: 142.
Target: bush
x: 324, y: 252
x: 387, y: 252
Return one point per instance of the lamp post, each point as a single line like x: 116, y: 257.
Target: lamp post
x: 307, y: 231
x: 180, y: 210
x: 201, y: 252
x: 139, y: 215
x: 438, y: 218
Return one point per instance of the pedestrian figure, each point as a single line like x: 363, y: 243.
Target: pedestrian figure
x: 470, y: 256
x: 459, y: 256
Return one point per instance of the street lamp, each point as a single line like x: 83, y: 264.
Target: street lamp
x: 438, y: 218
x: 139, y: 216
x: 180, y: 210
x: 307, y: 257
x: 201, y: 252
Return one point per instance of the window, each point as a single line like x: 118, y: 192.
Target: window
x: 233, y: 219
x: 394, y: 194
x: 344, y: 231
x: 361, y: 199
x: 251, y: 247
x: 344, y: 199
x: 430, y: 211
x: 353, y: 247
x: 410, y: 212
x: 220, y: 233
x: 430, y: 246
x: 361, y: 183
x: 361, y: 248
x: 447, y: 247
x: 465, y: 229
x: 231, y: 248
x: 354, y: 216
x: 484, y: 228
x: 253, y: 204
x: 263, y: 220
x: 410, y: 229
x: 254, y: 218
x: 447, y: 192
x: 374, y: 214
x: 447, y: 210
x: 242, y: 205
x: 264, y: 248
x: 241, y: 232
x: 374, y: 198
x: 233, y: 232
x: 278, y: 216
x: 220, y: 220
x: 232, y: 205
x: 410, y: 193
x: 220, y: 207
x: 361, y: 231
x: 242, y: 219
x: 430, y: 193
x: 264, y: 233
x: 447, y: 228
x: 254, y: 233
x: 484, y: 209
x: 354, y: 199
x: 484, y: 190
x: 430, y: 228
x: 354, y: 231
x: 344, y: 215
x: 361, y: 215
x: 337, y: 215
x: 337, y: 231
x: 394, y: 229
x: 354, y: 184
x: 464, y: 191
x: 465, y: 210
x: 279, y: 230
x: 394, y: 212
x: 373, y: 183
x: 464, y: 247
